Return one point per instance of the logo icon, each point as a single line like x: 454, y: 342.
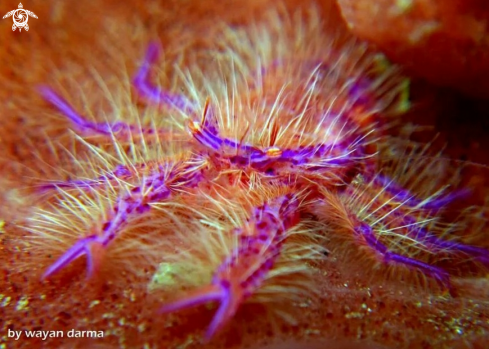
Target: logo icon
x: 20, y: 17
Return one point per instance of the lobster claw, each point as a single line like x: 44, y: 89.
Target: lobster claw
x: 92, y: 246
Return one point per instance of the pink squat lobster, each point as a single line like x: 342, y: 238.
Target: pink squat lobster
x: 261, y: 237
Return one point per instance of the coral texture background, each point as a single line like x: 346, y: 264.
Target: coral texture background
x: 63, y: 48
x: 445, y: 42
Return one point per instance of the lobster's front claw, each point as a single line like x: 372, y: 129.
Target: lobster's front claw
x: 91, y: 246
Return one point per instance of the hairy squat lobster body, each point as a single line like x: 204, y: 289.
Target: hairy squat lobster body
x: 320, y: 150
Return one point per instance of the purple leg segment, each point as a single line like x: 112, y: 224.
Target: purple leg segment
x: 245, y: 268
x: 79, y: 249
x: 153, y: 93
x: 439, y: 274
x: 223, y: 314
x: 81, y: 124
x: 119, y: 129
x: 120, y: 172
x: 205, y: 295
x: 410, y: 199
x: 154, y: 188
x: 365, y: 231
x: 422, y: 234
x: 192, y: 301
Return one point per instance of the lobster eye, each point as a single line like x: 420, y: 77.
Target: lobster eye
x: 274, y: 152
x: 194, y: 126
